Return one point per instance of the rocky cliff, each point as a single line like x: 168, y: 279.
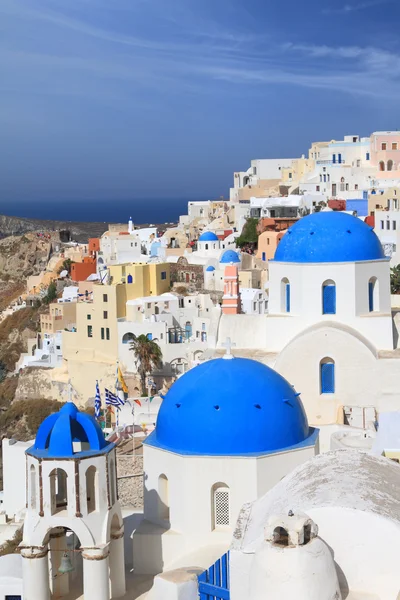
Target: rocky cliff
x: 80, y: 232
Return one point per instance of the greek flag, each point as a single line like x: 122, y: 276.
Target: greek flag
x: 113, y: 400
x: 97, y: 402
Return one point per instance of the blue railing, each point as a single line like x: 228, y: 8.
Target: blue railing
x: 214, y: 583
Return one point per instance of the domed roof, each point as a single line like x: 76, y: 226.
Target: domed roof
x: 230, y: 407
x: 329, y: 237
x: 230, y: 256
x: 210, y: 268
x: 208, y: 236
x: 69, y: 434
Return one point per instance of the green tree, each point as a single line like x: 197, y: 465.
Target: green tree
x: 395, y: 280
x: 3, y: 371
x: 148, y: 356
x: 66, y: 266
x: 51, y: 293
x: 249, y: 233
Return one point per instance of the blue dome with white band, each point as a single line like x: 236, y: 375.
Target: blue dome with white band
x: 231, y: 407
x: 329, y: 237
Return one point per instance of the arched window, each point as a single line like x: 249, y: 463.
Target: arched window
x: 163, y: 497
x: 342, y: 180
x: 206, y: 246
x: 91, y: 482
x: 130, y: 278
x: 221, y: 506
x: 33, y: 487
x: 381, y: 166
x: 281, y: 536
x: 285, y: 295
x: 389, y: 165
x: 128, y: 338
x: 329, y: 298
x: 373, y: 295
x: 327, y: 376
x: 112, y: 483
x: 58, y: 490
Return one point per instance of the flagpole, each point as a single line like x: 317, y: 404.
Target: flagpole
x: 116, y: 393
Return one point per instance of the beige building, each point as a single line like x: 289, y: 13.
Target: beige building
x: 389, y: 199
x: 62, y: 315
x: 92, y: 351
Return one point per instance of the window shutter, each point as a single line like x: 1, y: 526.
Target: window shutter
x: 371, y: 296
x: 288, y: 297
x: 329, y: 299
x: 327, y: 378
x: 221, y: 507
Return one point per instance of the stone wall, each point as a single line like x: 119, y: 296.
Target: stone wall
x: 130, y: 480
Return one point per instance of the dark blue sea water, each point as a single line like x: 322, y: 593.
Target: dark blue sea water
x: 110, y: 211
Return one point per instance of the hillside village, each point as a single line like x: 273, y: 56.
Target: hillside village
x: 254, y: 348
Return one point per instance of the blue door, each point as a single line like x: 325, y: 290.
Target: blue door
x: 214, y: 583
x: 264, y: 257
x: 328, y: 378
x: 288, y: 297
x: 188, y: 330
x: 329, y: 300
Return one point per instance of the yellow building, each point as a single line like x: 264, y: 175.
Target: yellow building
x: 147, y: 279
x: 92, y: 351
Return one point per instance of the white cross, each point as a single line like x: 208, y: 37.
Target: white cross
x: 228, y: 345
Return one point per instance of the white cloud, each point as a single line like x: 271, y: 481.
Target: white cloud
x: 349, y: 8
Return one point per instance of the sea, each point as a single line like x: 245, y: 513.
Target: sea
x: 156, y: 211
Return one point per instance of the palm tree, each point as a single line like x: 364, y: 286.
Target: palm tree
x: 148, y: 356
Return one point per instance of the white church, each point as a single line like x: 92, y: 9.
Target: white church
x: 329, y: 305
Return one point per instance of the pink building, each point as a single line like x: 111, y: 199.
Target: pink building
x: 385, y: 154
x: 231, y: 299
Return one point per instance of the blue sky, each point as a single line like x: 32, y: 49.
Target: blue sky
x: 103, y: 99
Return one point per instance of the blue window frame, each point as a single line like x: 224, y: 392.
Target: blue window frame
x: 329, y: 299
x: 288, y: 297
x: 339, y: 158
x: 327, y: 375
x: 264, y: 256
x: 367, y: 156
x: 334, y: 158
x: 163, y: 274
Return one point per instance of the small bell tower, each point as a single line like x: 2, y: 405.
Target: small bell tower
x: 231, y: 297
x: 72, y: 487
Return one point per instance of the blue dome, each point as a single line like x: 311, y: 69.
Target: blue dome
x: 208, y: 236
x: 210, y: 268
x: 58, y: 432
x: 329, y: 237
x: 230, y: 407
x: 230, y: 256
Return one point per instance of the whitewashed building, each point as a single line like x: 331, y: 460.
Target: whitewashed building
x: 227, y: 431
x: 329, y: 302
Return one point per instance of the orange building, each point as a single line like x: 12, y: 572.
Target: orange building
x: 267, y: 244
x: 81, y: 271
x: 94, y: 246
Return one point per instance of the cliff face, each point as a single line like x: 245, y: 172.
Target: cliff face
x: 79, y: 232
x: 21, y: 256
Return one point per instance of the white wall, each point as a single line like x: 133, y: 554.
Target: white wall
x: 14, y: 476
x: 191, y: 480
